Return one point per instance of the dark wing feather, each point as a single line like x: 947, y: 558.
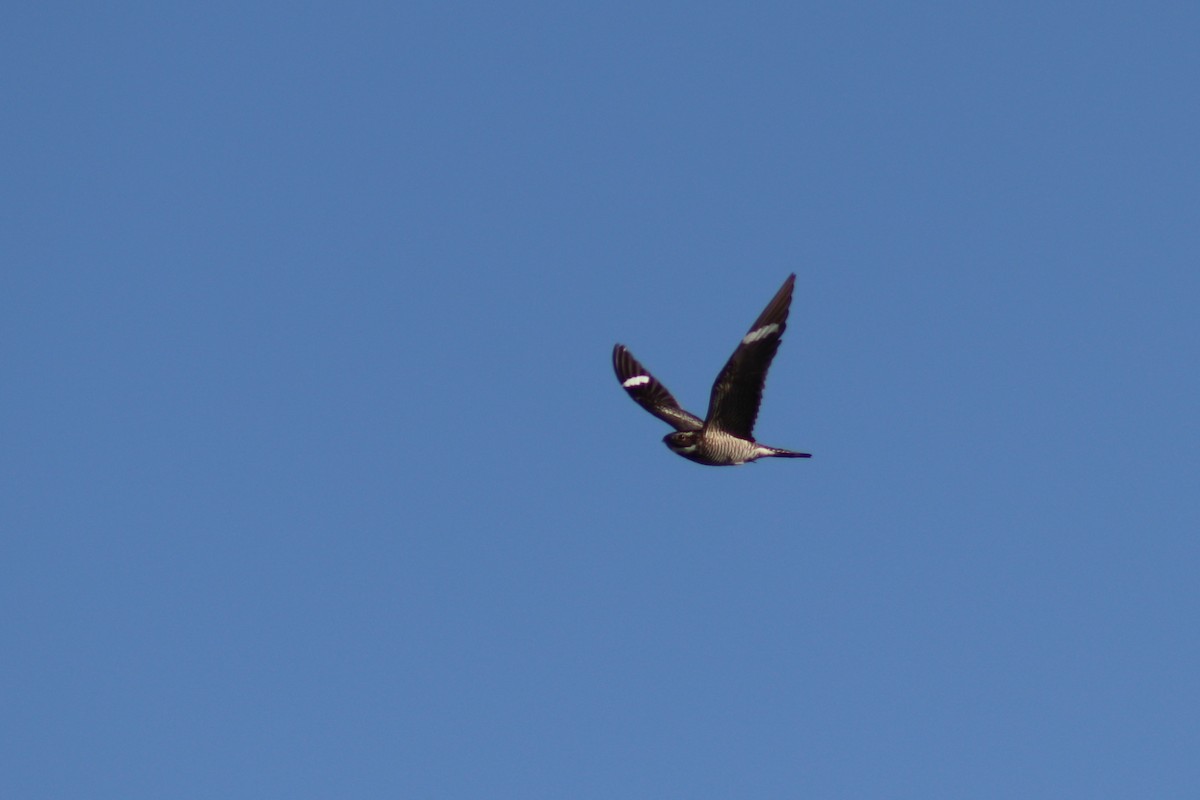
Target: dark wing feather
x: 648, y: 393
x: 737, y: 392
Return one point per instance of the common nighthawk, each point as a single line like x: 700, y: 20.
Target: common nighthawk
x: 724, y: 437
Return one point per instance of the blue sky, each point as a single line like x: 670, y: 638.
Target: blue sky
x: 318, y: 482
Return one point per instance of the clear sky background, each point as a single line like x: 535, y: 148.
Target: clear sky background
x: 317, y: 481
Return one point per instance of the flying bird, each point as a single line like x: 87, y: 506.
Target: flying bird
x: 724, y: 437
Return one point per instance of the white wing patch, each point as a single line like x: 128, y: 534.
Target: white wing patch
x: 761, y: 333
x: 636, y: 380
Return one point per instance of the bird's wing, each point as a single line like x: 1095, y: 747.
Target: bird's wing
x: 737, y: 392
x: 648, y: 393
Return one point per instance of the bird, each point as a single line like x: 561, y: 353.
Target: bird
x: 725, y: 436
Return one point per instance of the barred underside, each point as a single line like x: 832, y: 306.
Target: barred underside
x: 718, y: 447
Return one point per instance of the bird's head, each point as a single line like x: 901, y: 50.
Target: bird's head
x: 682, y: 442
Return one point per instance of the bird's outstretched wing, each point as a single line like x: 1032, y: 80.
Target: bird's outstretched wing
x: 737, y: 392
x: 648, y: 393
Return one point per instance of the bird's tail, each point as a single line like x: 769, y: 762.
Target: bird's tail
x: 779, y: 452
